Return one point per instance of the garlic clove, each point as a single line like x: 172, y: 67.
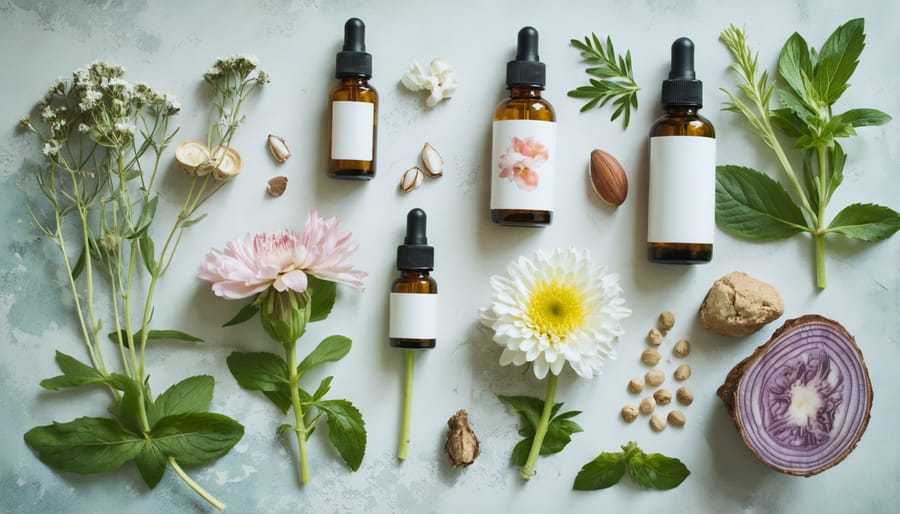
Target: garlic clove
x: 193, y: 157
x: 434, y: 163
x: 411, y: 179
x: 608, y: 178
x: 227, y: 163
x: 279, y: 148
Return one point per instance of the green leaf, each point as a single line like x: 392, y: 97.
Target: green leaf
x: 811, y: 181
x: 864, y: 117
x: 866, y: 222
x: 192, y: 394
x: 527, y: 407
x: 789, y: 123
x: 332, y: 348
x: 197, y: 437
x: 258, y: 371
x: 656, y: 471
x: 346, y: 430
x: 559, y: 434
x: 151, y: 463
x: 520, y: 451
x: 837, y: 60
x: 145, y: 242
x: 559, y: 429
x: 193, y: 221
x: 131, y: 404
x: 323, y: 296
x: 615, y: 74
x: 148, y: 211
x: 75, y: 373
x: 753, y: 205
x: 281, y: 398
x: 322, y: 390
x: 604, y: 471
x: 84, y: 445
x: 79, y: 264
x: 154, y: 335
x: 246, y: 313
x: 794, y: 64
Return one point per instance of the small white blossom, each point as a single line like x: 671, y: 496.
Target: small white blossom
x: 48, y: 113
x: 125, y: 128
x: 83, y: 128
x: 89, y: 99
x: 51, y: 148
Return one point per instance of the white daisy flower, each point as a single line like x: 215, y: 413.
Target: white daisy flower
x: 556, y: 308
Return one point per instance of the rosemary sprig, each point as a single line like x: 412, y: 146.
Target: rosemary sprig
x: 614, y: 78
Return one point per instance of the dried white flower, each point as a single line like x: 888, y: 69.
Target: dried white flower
x: 51, y: 148
x: 48, y: 113
x: 83, y: 128
x: 440, y: 82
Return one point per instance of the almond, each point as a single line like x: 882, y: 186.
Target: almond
x: 608, y: 178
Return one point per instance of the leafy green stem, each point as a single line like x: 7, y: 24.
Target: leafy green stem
x: 299, y: 426
x: 407, y: 403
x: 195, y: 486
x: 541, y: 429
x: 60, y: 241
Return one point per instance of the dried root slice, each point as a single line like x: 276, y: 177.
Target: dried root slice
x: 276, y: 186
x: 193, y: 157
x: 227, y: 163
x: 462, y: 446
x: 801, y: 402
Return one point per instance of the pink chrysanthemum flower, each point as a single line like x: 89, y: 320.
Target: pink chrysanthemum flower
x: 282, y: 260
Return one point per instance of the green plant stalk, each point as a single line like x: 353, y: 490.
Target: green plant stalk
x: 299, y: 427
x: 407, y: 404
x: 819, y: 234
x: 195, y: 486
x: 541, y: 429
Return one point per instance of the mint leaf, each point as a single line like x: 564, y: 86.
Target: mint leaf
x: 789, y: 123
x: 794, y: 63
x: 192, y: 394
x: 864, y: 117
x: 281, y: 398
x: 246, y: 313
x: 559, y: 434
x: 753, y: 205
x: 529, y: 408
x: 131, y: 403
x: 866, y: 222
x: 197, y: 437
x: 346, y: 430
x: 332, y: 348
x: 258, y: 371
x: 323, y: 293
x: 604, y: 471
x: 656, y: 471
x: 559, y: 429
x: 837, y: 60
x: 84, y: 445
x: 151, y: 464
x: 75, y: 373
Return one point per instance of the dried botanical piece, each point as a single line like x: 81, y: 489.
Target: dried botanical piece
x: 682, y: 348
x: 608, y: 178
x: 226, y: 163
x: 650, y: 357
x: 434, y: 163
x: 682, y: 372
x: 636, y: 385
x: 658, y: 423
x: 647, y: 405
x: 739, y: 305
x: 662, y: 396
x: 666, y: 321
x: 411, y: 179
x: 654, y: 336
x: 193, y: 157
x: 276, y: 186
x: 440, y: 81
x: 462, y: 446
x: 629, y: 413
x: 278, y: 148
x: 684, y: 395
x: 655, y: 377
x: 676, y: 418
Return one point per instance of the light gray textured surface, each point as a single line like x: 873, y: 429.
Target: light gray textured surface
x: 170, y: 44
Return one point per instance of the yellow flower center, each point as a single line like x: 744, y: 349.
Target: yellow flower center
x: 556, y: 309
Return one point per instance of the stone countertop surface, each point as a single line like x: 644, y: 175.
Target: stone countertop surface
x: 170, y: 44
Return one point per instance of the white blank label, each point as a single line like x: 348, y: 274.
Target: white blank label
x: 413, y: 316
x: 352, y: 131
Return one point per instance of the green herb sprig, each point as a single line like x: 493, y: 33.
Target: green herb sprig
x: 654, y: 471
x: 558, y: 434
x: 614, y: 78
x: 751, y: 204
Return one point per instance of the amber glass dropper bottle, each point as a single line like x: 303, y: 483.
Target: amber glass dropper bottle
x: 354, y: 109
x: 682, y: 209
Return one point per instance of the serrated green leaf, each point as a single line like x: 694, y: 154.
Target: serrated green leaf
x: 197, y: 437
x: 151, y: 464
x: 323, y: 293
x: 656, y: 471
x: 837, y: 60
x: 864, y: 117
x: 799, y: 107
x: 346, y: 430
x: 258, y: 371
x: 246, y: 313
x: 789, y: 123
x: 84, y: 445
x: 604, y: 471
x: 866, y: 222
x: 192, y: 394
x: 75, y: 373
x: 753, y: 205
x: 332, y: 348
x: 794, y: 63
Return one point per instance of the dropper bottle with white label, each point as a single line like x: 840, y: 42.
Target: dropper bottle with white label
x: 354, y: 109
x: 682, y: 201
x: 413, y: 307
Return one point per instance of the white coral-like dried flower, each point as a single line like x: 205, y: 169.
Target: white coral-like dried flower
x: 439, y: 81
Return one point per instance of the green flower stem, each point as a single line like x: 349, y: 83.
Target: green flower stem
x: 195, y: 486
x: 61, y: 242
x: 819, y: 234
x: 407, y: 404
x: 299, y: 427
x: 541, y: 431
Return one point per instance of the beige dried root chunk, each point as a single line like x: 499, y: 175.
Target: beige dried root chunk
x: 739, y: 305
x: 662, y: 396
x: 462, y: 446
x: 193, y: 157
x: 654, y: 336
x: 682, y: 372
x: 657, y: 423
x: 629, y: 413
x: 647, y: 405
x: 276, y: 186
x: 655, y: 377
x: 650, y: 357
x: 636, y: 385
x: 227, y: 163
x: 684, y: 395
x: 676, y: 418
x: 682, y: 348
x: 666, y: 321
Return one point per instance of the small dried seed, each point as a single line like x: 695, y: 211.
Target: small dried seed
x: 278, y: 148
x: 684, y: 395
x: 655, y: 377
x: 647, y: 405
x: 629, y: 413
x: 434, y: 163
x: 682, y: 372
x: 654, y: 336
x: 662, y: 396
x: 411, y: 179
x: 650, y: 357
x: 682, y: 348
x: 676, y: 418
x: 636, y: 385
x: 276, y: 186
x: 657, y: 423
x: 666, y: 321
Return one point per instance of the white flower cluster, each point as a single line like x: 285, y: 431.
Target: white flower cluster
x: 242, y: 65
x: 440, y: 82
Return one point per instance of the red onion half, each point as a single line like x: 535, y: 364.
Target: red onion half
x: 801, y: 401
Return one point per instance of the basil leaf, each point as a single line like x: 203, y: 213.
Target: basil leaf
x: 192, y: 394
x: 332, y: 348
x: 559, y: 429
x: 753, y: 205
x: 84, y: 445
x: 346, y: 430
x: 864, y: 117
x: 604, y: 471
x: 197, y: 437
x: 151, y: 463
x: 246, y: 312
x: 323, y: 293
x: 75, y: 373
x: 131, y: 404
x: 281, y: 398
x: 866, y: 222
x: 656, y: 471
x: 528, y: 408
x: 837, y: 60
x: 258, y: 371
x: 559, y: 434
x: 520, y: 452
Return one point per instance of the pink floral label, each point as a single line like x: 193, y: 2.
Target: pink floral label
x: 523, y: 168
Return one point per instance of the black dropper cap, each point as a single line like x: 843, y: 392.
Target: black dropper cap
x: 353, y: 60
x: 682, y: 87
x: 414, y: 253
x: 527, y: 69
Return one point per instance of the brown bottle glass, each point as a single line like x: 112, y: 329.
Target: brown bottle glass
x: 417, y: 281
x: 524, y: 103
x: 354, y: 89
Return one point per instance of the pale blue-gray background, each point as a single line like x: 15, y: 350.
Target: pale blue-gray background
x: 169, y: 44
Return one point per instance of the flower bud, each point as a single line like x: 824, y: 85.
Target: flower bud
x: 283, y: 315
